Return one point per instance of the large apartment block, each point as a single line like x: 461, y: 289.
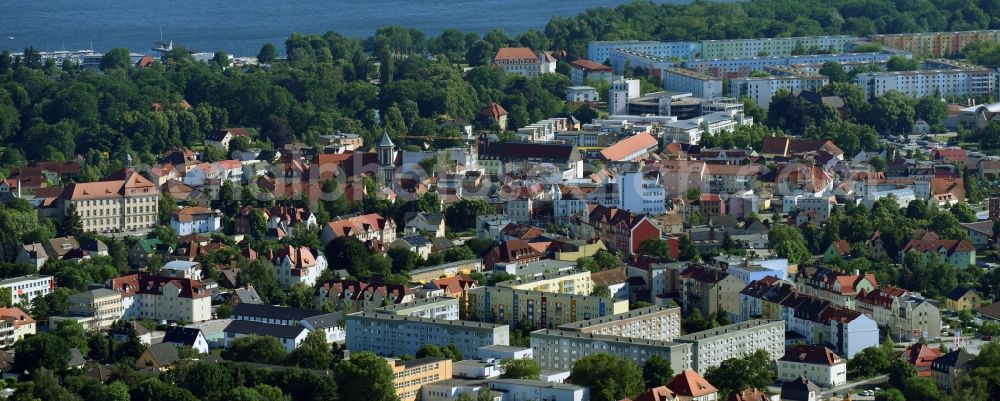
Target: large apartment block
x: 745, y: 48
x: 658, y: 322
x: 393, y: 335
x: 539, y: 309
x: 410, y: 376
x: 560, y: 349
x: 600, y: 51
x: 710, y: 347
x: 936, y: 44
x: 698, y: 84
x: 130, y: 202
x: 762, y: 89
x: 442, y: 307
x: 564, y: 282
x: 940, y: 78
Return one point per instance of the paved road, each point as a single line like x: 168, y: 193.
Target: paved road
x: 850, y: 386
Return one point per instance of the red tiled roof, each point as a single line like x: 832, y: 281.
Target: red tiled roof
x: 951, y: 246
x: 590, y: 66
x: 842, y: 247
x: 661, y: 393
x: 750, y: 394
x: 812, y: 354
x: 143, y: 283
x: 950, y: 154
x: 357, y: 225
x: 690, y: 384
x: 17, y: 315
x: 920, y: 356
x: 493, y: 110
x: 629, y: 146
x: 515, y: 54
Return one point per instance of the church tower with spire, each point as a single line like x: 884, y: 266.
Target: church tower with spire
x: 387, y: 158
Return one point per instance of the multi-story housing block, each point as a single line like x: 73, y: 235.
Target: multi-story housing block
x: 409, y: 376
x: 564, y: 282
x: 538, y: 309
x: 939, y: 78
x: 441, y: 307
x: 600, y: 51
x: 936, y: 44
x: 392, y: 335
x: 163, y: 298
x: 657, y: 322
x: 688, y: 81
x: 128, y: 203
x: 745, y: 48
x: 742, y: 67
x: 101, y: 305
x: 24, y: 289
x: 560, y: 349
x: 582, y: 71
x: 709, y: 290
x: 709, y: 348
x: 650, y: 64
x: 762, y: 89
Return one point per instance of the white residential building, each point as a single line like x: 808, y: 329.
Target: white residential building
x: 642, y: 192
x: 762, y: 89
x: 196, y: 220
x: 582, y: 94
x: 698, y: 84
x: 959, y: 80
x: 618, y: 96
x: 298, y: 265
x: 709, y: 348
x: 163, y: 298
x: 815, y: 362
x: 25, y: 289
x: 524, y: 61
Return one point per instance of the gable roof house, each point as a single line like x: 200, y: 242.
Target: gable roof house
x: 159, y: 356
x: 958, y: 253
x: 363, y: 227
x: 222, y: 136
x: 188, y: 337
x: 295, y: 265
x: 431, y: 223
x: 921, y: 357
x: 690, y: 386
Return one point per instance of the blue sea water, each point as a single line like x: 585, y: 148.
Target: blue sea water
x: 241, y: 26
